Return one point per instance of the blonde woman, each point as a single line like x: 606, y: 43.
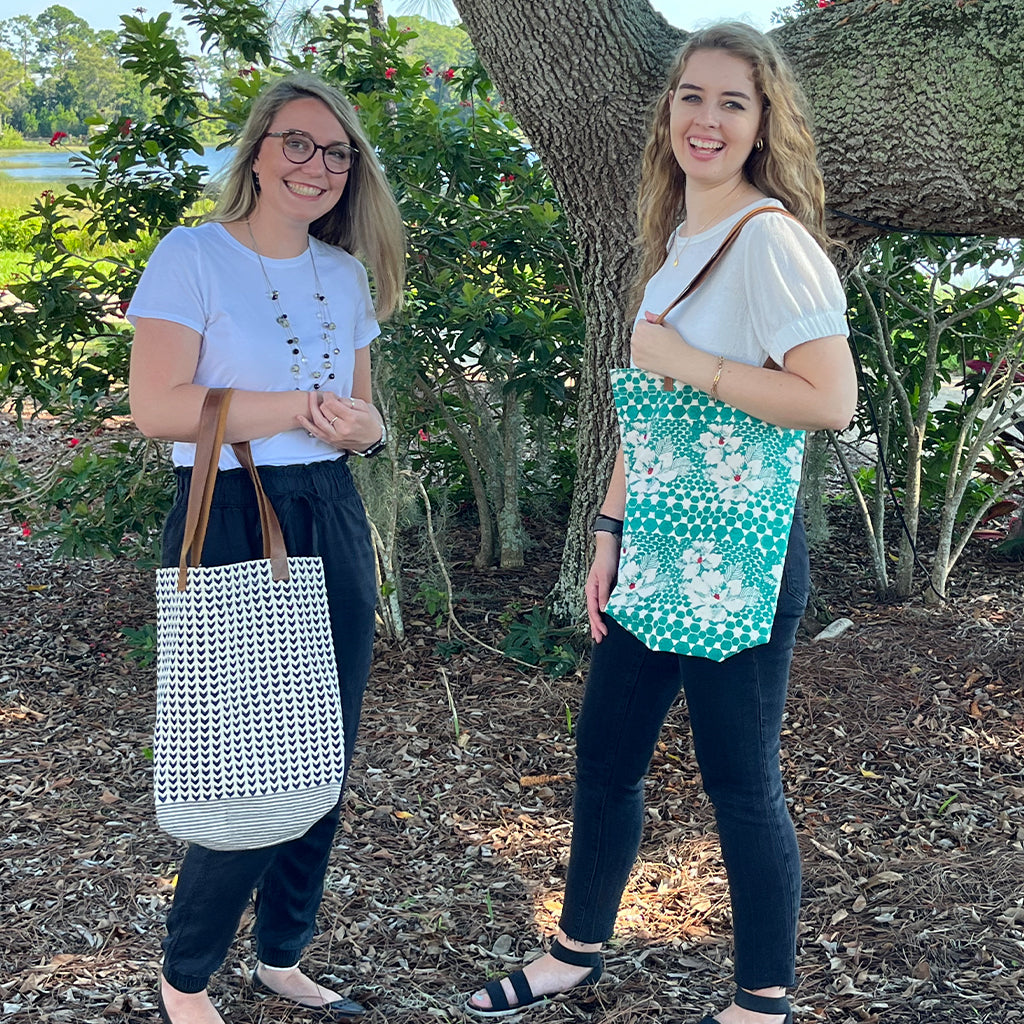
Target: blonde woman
x: 764, y: 333
x: 268, y: 297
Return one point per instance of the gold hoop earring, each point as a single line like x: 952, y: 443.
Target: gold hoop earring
x: 759, y: 145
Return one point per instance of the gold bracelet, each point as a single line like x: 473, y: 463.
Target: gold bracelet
x: 718, y: 376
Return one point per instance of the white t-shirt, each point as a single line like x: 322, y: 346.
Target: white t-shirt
x: 773, y: 290
x: 204, y: 279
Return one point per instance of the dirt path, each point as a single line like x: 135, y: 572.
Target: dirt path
x: 903, y: 751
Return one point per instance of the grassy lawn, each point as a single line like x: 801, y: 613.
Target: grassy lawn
x: 18, y: 194
x: 11, y: 260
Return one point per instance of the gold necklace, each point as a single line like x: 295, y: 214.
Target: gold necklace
x: 676, y: 251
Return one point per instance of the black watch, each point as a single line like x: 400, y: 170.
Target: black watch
x: 607, y: 524
x: 377, y: 447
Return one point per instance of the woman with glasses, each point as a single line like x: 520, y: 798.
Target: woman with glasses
x: 267, y: 297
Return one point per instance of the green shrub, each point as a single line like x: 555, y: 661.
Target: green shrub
x: 17, y: 231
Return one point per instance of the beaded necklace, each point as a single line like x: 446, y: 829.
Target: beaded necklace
x: 324, y: 370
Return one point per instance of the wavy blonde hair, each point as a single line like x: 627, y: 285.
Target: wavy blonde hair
x: 365, y: 221
x: 785, y: 169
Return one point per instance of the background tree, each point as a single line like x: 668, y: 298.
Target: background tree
x: 911, y: 106
x: 11, y: 78
x: 69, y: 75
x: 18, y: 34
x: 59, y: 35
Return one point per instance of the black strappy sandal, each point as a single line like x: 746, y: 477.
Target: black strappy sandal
x: 759, y: 1004
x: 524, y: 994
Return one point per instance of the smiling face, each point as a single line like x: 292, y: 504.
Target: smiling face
x: 299, y: 193
x: 714, y: 118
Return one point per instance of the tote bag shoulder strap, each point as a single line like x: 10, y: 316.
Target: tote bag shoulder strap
x: 212, y: 424
x: 701, y: 274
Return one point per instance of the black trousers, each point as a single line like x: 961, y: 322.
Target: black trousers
x: 322, y: 514
x: 736, y: 708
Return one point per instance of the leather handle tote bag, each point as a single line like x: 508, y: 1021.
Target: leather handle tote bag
x: 249, y: 744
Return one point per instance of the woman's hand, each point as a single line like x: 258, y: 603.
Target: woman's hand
x: 348, y: 424
x: 601, y: 580
x: 659, y: 349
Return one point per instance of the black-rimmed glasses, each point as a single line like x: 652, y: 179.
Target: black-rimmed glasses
x: 299, y: 148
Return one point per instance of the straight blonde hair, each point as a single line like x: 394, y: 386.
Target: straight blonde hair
x: 365, y: 221
x: 786, y: 168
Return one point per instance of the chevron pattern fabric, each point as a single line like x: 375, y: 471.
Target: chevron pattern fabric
x: 249, y: 744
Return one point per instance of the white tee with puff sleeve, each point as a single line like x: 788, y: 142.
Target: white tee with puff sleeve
x: 773, y: 290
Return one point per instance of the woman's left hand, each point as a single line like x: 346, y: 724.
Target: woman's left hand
x: 348, y: 424
x: 658, y: 348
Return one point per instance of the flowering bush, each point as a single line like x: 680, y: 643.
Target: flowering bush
x: 483, y: 361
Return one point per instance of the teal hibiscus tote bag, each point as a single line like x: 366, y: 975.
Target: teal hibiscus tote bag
x: 710, y: 495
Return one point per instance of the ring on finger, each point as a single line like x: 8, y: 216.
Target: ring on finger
x: 331, y: 424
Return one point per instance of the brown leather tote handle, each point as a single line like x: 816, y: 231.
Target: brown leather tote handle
x: 701, y: 274
x: 212, y: 424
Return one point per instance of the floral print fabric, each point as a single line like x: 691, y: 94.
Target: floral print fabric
x: 710, y: 493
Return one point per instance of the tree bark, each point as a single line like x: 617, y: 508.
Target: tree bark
x: 915, y: 120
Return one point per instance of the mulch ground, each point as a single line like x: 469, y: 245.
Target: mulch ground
x: 903, y: 754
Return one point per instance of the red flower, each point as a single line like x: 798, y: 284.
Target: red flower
x: 390, y: 73
x: 123, y: 307
x: 309, y: 48
x: 449, y: 74
x: 424, y: 436
x: 26, y: 530
x: 127, y: 126
x: 507, y: 178
x: 427, y: 70
x: 478, y: 245
x: 73, y: 442
x: 58, y: 137
x: 826, y: 3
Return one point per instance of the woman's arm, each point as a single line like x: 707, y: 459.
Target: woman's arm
x: 605, y: 567
x: 166, y: 404
x: 816, y: 390
x: 351, y: 424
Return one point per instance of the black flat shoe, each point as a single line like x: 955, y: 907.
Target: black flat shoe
x: 340, y: 1009
x: 521, y: 986
x: 161, y: 1006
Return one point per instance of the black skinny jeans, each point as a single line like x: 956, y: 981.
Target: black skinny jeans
x: 321, y: 513
x: 736, y: 711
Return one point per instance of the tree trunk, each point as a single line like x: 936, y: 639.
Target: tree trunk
x: 511, y: 532
x: 910, y: 101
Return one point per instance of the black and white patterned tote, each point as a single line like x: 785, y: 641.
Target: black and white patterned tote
x: 249, y: 743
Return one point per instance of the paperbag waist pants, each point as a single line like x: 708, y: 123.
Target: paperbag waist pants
x: 322, y: 514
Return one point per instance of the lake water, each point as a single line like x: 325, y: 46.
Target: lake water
x: 53, y: 165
